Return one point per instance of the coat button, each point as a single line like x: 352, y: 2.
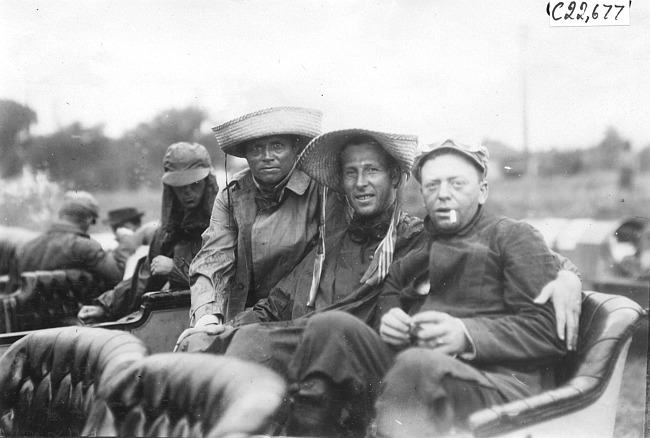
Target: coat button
x: 371, y: 256
x: 239, y: 286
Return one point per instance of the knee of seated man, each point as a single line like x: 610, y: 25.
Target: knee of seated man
x: 424, y: 359
x: 342, y: 322
x: 251, y: 342
x: 425, y: 365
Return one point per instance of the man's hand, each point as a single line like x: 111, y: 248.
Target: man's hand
x: 91, y: 314
x: 566, y: 293
x: 161, y: 265
x: 395, y: 327
x: 440, y: 331
x: 208, y: 324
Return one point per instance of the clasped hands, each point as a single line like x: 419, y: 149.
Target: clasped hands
x: 161, y: 265
x: 430, y: 329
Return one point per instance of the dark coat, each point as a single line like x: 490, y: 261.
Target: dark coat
x: 179, y: 238
x: 488, y: 275
x: 65, y: 246
x: 339, y: 287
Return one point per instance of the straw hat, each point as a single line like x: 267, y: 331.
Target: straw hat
x: 320, y: 158
x: 476, y: 154
x: 305, y: 123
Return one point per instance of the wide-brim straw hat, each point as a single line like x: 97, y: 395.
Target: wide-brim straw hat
x: 304, y: 123
x: 320, y: 159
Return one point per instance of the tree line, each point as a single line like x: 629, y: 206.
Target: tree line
x: 81, y: 156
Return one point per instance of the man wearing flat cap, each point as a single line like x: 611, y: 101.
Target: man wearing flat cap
x: 189, y: 191
x: 460, y: 329
x: 67, y: 244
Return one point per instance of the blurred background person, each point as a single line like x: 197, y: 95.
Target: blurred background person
x: 627, y: 168
x: 127, y: 227
x: 67, y: 245
x: 126, y: 217
x: 127, y: 222
x: 189, y: 190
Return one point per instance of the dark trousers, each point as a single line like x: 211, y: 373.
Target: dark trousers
x: 415, y: 392
x: 270, y: 344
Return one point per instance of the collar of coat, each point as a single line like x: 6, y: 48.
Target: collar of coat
x: 433, y: 231
x: 67, y: 227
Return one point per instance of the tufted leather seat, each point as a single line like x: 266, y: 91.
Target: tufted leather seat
x: 189, y: 394
x: 588, y: 379
x: 48, y: 378
x: 47, y: 299
x: 7, y: 285
x: 7, y: 255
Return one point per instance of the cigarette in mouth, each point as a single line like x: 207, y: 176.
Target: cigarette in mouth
x: 452, y: 216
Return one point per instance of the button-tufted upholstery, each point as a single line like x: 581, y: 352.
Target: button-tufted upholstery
x: 48, y: 379
x: 7, y: 285
x: 47, y: 299
x: 586, y: 378
x: 190, y: 394
x: 7, y: 255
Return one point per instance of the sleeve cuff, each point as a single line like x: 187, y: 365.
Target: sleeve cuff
x: 210, y: 308
x: 209, y: 319
x: 471, y: 353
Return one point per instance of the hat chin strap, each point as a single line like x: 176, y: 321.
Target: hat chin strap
x: 320, y: 252
x: 383, y: 257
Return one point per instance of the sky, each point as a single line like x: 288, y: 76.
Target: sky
x: 436, y: 68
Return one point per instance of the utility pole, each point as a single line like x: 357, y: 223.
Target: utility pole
x: 528, y: 160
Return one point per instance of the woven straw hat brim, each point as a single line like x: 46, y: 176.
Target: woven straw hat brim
x: 306, y: 123
x: 320, y: 160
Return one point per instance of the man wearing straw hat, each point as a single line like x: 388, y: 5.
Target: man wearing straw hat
x: 265, y: 221
x: 461, y: 309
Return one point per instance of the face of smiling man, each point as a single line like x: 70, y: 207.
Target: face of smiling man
x: 367, y: 178
x: 452, y: 190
